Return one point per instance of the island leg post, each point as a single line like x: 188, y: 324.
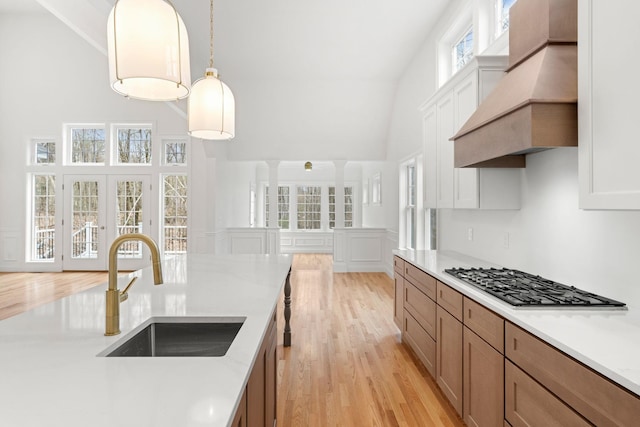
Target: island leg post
x: 287, y: 310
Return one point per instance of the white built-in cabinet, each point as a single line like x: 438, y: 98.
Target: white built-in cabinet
x: 443, y: 114
x: 608, y: 104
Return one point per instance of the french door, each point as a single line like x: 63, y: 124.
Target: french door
x: 97, y: 209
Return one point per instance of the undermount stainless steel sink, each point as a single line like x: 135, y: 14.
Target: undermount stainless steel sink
x: 209, y: 337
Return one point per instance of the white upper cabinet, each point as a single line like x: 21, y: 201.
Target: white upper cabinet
x: 443, y: 114
x: 609, y: 149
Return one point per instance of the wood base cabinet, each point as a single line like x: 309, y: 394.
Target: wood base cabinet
x: 240, y: 419
x: 483, y: 382
x: 449, y: 357
x: 262, y: 387
x: 528, y: 404
x: 398, y: 310
x: 597, y: 399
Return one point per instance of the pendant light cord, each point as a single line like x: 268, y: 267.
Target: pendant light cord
x: 211, y: 35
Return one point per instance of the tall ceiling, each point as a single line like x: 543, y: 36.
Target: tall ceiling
x: 312, y: 79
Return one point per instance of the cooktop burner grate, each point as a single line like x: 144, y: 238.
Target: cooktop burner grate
x: 524, y: 290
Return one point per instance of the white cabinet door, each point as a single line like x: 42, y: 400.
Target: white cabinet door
x: 607, y: 109
x: 444, y: 164
x: 430, y: 160
x: 465, y: 180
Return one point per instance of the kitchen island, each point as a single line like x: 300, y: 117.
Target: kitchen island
x: 52, y: 375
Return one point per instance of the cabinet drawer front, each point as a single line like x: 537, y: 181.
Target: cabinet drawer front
x: 398, y: 264
x: 421, y: 307
x: 484, y: 322
x: 596, y: 398
x: 450, y: 299
x: 527, y: 403
x: 418, y: 339
x: 421, y: 280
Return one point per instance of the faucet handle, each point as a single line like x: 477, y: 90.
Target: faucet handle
x: 123, y: 294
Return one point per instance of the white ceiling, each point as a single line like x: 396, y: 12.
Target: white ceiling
x: 311, y: 78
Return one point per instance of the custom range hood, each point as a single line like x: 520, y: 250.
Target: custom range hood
x: 534, y: 106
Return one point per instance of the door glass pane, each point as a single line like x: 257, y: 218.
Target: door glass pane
x: 175, y: 214
x: 129, y: 216
x: 43, y: 217
x: 84, y: 237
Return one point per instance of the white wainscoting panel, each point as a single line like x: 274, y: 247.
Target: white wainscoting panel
x: 359, y: 250
x: 306, y: 242
x: 248, y: 240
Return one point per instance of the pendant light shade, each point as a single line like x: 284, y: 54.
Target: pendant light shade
x: 148, y: 50
x: 211, y: 108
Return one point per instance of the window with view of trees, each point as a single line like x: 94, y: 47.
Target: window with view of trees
x: 175, y: 214
x: 463, y: 50
x: 87, y: 145
x: 348, y: 207
x: 309, y: 207
x: 283, y: 207
x: 502, y: 15
x: 45, y: 152
x: 43, y: 217
x: 411, y: 206
x: 134, y: 145
x: 175, y: 153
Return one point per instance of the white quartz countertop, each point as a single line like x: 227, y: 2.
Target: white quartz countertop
x: 607, y: 340
x: 50, y: 374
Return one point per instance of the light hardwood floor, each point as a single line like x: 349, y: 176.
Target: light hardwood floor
x: 346, y: 366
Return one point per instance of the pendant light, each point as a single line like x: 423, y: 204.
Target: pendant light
x: 148, y: 49
x: 308, y: 166
x: 211, y: 103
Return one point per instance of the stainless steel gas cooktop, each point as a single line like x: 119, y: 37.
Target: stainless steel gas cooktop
x: 527, y: 290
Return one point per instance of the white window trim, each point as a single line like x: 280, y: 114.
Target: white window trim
x: 459, y: 27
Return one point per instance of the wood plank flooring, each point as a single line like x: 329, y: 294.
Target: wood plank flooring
x: 346, y: 366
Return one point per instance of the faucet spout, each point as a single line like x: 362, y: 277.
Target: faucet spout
x: 114, y: 296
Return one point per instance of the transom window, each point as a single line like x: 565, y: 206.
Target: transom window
x: 309, y: 203
x: 175, y: 152
x: 502, y: 15
x: 133, y: 145
x: 88, y: 145
x: 45, y: 152
x: 462, y: 50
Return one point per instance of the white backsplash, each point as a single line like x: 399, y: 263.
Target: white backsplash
x: 597, y: 251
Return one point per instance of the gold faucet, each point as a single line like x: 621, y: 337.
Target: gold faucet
x: 114, y: 296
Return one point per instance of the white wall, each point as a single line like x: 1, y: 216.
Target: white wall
x: 550, y: 236
x: 384, y: 215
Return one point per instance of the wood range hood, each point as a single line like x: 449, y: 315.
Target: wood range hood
x: 534, y: 106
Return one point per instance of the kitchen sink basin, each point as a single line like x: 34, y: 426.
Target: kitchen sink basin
x: 209, y: 337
